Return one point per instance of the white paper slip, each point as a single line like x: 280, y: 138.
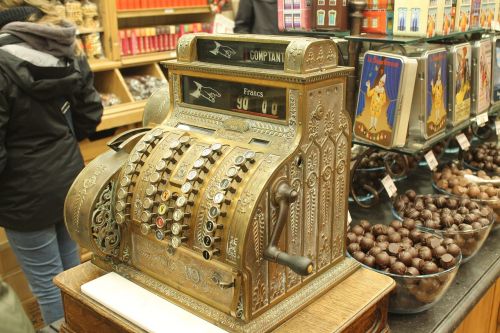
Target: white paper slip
x: 463, y: 141
x: 349, y: 218
x: 482, y: 119
x: 431, y: 160
x: 497, y: 126
x: 143, y: 308
x: 389, y: 186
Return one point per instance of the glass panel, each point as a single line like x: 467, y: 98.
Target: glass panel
x: 332, y: 17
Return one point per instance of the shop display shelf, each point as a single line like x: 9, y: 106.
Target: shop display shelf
x: 147, y: 58
x: 150, y: 12
x: 376, y: 38
x: 84, y: 31
x: 103, y: 65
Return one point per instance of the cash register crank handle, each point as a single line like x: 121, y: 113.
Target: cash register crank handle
x: 284, y: 196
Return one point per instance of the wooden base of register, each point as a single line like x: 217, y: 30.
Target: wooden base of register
x: 357, y: 304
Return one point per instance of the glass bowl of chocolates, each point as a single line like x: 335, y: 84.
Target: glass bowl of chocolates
x: 422, y: 264
x: 485, y: 157
x: 464, y: 183
x: 467, y: 222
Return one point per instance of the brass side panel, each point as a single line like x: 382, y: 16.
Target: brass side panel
x: 185, y: 271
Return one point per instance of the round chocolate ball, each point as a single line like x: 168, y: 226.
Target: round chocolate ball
x: 366, y: 244
x: 395, y: 237
x: 404, y: 232
x: 379, y: 229
x: 412, y: 271
x: 429, y: 268
x: 382, y: 238
x: 358, y: 230
x: 417, y: 263
x: 396, y: 224
x: 382, y: 259
x: 369, y: 235
x: 425, y: 253
x: 409, y: 223
x: 453, y: 249
x: 351, y: 237
x: 398, y: 268
x: 353, y: 247
x: 383, y: 245
x: 411, y: 194
x: 447, y: 261
x: 359, y: 256
x: 374, y: 251
x: 415, y: 235
x: 437, y: 252
x: 405, y: 257
x: 394, y: 249
x: 369, y: 261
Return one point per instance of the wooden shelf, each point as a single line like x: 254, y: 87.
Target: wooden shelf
x: 122, y: 114
x: 84, y: 31
x: 134, y: 13
x: 148, y: 58
x: 103, y: 65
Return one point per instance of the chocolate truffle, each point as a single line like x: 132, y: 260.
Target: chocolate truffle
x: 417, y: 263
x: 398, y: 268
x: 447, y: 261
x: 366, y: 243
x: 395, y: 237
x: 412, y: 271
x: 429, y: 268
x: 453, y: 249
x: 382, y: 259
x: 405, y: 257
x: 359, y: 256
x: 365, y: 225
x: 369, y: 261
x: 353, y: 247
x: 425, y: 253
x: 358, y: 230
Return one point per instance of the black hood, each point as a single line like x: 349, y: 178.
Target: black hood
x: 42, y: 83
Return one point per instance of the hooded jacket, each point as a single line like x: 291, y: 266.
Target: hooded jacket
x: 39, y: 152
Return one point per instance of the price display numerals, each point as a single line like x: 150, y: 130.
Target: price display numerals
x: 266, y: 107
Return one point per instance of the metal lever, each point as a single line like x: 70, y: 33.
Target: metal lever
x: 284, y: 196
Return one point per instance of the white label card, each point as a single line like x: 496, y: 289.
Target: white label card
x: 497, y: 126
x: 389, y: 186
x: 431, y: 160
x: 169, y: 11
x: 349, y: 218
x: 463, y: 141
x: 482, y: 119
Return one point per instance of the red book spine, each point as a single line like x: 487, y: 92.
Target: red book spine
x: 137, y: 46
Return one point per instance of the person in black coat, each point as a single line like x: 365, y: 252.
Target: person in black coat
x: 257, y: 17
x: 47, y: 104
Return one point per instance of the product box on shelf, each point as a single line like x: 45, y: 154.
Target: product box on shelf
x: 330, y: 15
x: 475, y: 11
x: 495, y: 71
x: 385, y: 97
x: 429, y: 111
x: 487, y: 14
x: 378, y: 21
x: 481, y: 76
x: 294, y: 15
x: 449, y: 14
x: 145, y: 4
x: 463, y: 15
x: 422, y: 18
x: 459, y: 82
x: 379, y: 4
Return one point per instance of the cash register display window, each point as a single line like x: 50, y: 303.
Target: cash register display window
x: 237, y: 98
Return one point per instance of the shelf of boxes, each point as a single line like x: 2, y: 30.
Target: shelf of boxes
x: 150, y: 12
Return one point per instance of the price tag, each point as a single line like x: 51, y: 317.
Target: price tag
x: 389, y: 186
x: 497, y: 126
x: 482, y: 119
x: 463, y: 141
x: 431, y: 160
x: 349, y: 218
x: 169, y: 10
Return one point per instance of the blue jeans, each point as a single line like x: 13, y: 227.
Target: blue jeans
x: 42, y: 255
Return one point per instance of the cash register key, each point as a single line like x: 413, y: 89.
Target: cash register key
x: 166, y: 195
x: 215, y: 212
x: 240, y: 162
x: 121, y: 218
x: 211, y: 226
x: 208, y: 254
x: 188, y: 188
x: 220, y: 197
x: 155, y: 177
x: 147, y: 203
x: 151, y: 190
x: 168, y: 155
x: 134, y: 158
x: 162, y: 165
x: 177, y: 228
x: 158, y: 133
x: 125, y: 181
x: 122, y: 193
x: 232, y: 172
x: 217, y: 148
x: 193, y: 175
x: 130, y: 169
x: 177, y: 241
x: 250, y: 156
x: 121, y: 205
x: 141, y: 147
x: 163, y: 209
x: 185, y: 140
x: 209, y: 241
x: 176, y: 145
x: 146, y: 228
x: 225, y: 185
x: 183, y: 201
x: 200, y: 164
x: 179, y: 215
x: 208, y: 154
x: 148, y: 138
x: 159, y: 234
x: 160, y: 222
x: 146, y: 216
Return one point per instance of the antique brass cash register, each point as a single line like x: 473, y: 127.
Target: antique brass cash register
x: 232, y: 202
